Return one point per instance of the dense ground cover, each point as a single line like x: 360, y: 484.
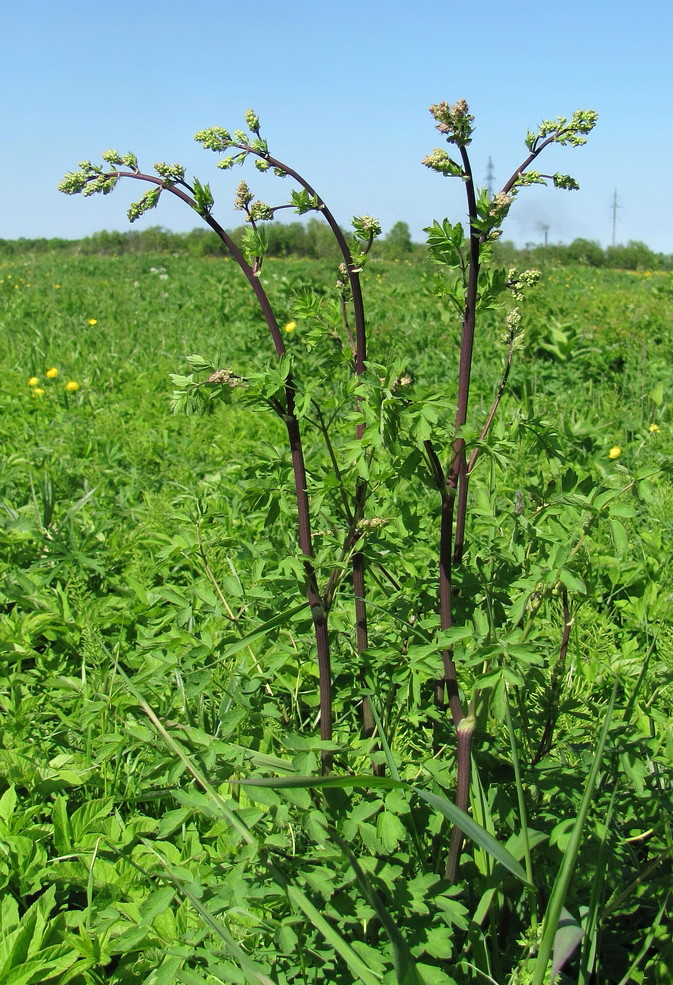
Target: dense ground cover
x: 147, y: 565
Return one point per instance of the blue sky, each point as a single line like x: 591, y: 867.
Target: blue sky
x: 342, y: 90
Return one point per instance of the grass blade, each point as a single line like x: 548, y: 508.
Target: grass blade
x: 454, y: 814
x: 405, y: 965
x: 565, y: 873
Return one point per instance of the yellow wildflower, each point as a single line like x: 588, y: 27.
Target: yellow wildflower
x: 33, y: 381
x: 290, y: 327
x: 52, y: 373
x: 615, y: 451
x: 72, y: 386
x: 93, y: 321
x: 38, y: 392
x: 654, y: 427
x: 57, y: 287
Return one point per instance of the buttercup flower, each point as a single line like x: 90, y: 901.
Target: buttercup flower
x: 615, y: 451
x: 33, y: 381
x: 653, y: 428
x: 38, y: 392
x: 93, y: 321
x: 72, y: 386
x: 52, y: 373
x: 290, y: 327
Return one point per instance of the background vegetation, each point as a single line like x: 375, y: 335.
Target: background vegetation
x: 311, y: 240
x: 151, y: 640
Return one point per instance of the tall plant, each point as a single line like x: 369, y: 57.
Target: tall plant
x: 477, y: 287
x: 367, y: 398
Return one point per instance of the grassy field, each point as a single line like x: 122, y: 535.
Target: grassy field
x: 153, y: 642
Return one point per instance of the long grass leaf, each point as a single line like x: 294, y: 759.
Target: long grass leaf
x: 591, y: 922
x: 405, y: 965
x: 331, y: 934
x: 225, y: 811
x: 254, y: 974
x: 390, y: 759
x: 565, y: 873
x: 523, y: 815
x: 454, y: 814
x: 474, y: 832
x: 628, y: 977
x: 262, y: 630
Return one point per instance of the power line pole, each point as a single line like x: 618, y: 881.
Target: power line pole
x: 490, y: 178
x: 615, y: 206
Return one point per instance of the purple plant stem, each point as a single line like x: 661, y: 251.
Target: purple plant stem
x: 318, y: 613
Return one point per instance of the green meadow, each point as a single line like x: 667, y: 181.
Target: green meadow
x: 154, y: 650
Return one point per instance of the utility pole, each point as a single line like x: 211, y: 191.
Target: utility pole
x: 615, y: 206
x: 490, y: 178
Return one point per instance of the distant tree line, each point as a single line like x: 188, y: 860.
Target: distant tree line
x: 313, y: 240
x: 586, y: 252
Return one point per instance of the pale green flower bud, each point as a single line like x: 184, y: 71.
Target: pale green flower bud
x: 440, y: 161
x: 171, y: 172
x: 214, y: 138
x: 243, y: 196
x: 225, y: 376
x: 252, y: 121
x: 73, y: 183
x: 112, y: 157
x: 148, y: 201
x: 260, y: 211
x: 565, y: 181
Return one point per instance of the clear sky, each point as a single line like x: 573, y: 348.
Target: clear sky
x: 342, y: 89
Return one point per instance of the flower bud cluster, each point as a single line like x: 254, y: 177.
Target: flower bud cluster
x: 440, y: 161
x: 170, y: 172
x: 91, y: 179
x: 73, y: 183
x: 372, y: 523
x: 562, y: 131
x: 259, y: 211
x: 148, y: 201
x: 128, y: 160
x: 500, y: 206
x: 366, y: 226
x: 518, y: 281
x: 342, y: 280
x: 103, y: 184
x: 398, y: 381
x: 565, y: 181
x: 252, y: 121
x: 530, y: 178
x: 243, y: 196
x: 112, y: 157
x: 529, y: 278
x: 214, y: 138
x: 513, y: 319
x: 225, y: 377
x: 455, y: 122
